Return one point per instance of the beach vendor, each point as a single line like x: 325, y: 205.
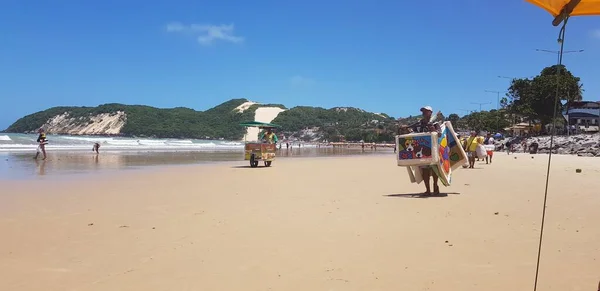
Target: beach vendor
x: 471, y: 148
x: 269, y: 136
x: 426, y: 124
x: 42, y: 141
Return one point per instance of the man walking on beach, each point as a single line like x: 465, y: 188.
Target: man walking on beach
x: 427, y: 125
x: 508, y: 147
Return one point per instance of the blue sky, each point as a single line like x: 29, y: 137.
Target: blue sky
x: 382, y: 56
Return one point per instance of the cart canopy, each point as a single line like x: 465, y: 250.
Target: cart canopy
x: 258, y: 124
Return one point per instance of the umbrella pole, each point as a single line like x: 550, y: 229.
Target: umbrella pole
x: 561, y: 40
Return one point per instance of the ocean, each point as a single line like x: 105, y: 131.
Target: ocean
x: 72, y: 155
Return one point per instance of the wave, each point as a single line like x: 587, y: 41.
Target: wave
x: 184, y: 141
x: 27, y: 142
x: 87, y: 139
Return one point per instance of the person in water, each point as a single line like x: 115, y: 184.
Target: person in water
x: 426, y: 124
x: 42, y: 141
x: 269, y: 136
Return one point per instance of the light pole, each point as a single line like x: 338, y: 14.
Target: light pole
x: 467, y: 111
x: 557, y: 53
x: 481, y: 104
x: 497, y: 108
x: 497, y: 97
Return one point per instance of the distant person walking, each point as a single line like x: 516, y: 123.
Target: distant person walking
x: 490, y: 143
x: 480, y: 141
x: 524, y: 145
x: 508, y: 147
x: 96, y: 148
x: 42, y: 142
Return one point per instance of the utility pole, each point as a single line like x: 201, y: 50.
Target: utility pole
x: 497, y: 98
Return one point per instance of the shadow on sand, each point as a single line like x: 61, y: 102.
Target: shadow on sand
x: 248, y: 167
x: 421, y: 195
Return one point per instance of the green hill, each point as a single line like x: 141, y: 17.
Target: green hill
x: 339, y: 123
x: 221, y: 121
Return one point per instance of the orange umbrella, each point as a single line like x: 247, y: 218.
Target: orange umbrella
x: 562, y: 9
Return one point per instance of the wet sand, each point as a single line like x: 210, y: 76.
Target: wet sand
x: 60, y: 163
x: 341, y: 223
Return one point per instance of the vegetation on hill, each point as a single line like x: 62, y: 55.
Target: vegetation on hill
x: 221, y: 121
x: 335, y: 124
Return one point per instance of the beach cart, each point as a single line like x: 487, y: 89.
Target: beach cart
x: 259, y: 151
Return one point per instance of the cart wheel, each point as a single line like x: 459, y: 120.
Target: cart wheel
x: 267, y: 163
x: 253, y: 163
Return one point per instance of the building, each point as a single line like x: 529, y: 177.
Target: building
x: 583, y: 116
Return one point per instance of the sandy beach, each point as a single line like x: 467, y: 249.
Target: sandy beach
x: 338, y: 223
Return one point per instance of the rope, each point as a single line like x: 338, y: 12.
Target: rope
x: 561, y: 39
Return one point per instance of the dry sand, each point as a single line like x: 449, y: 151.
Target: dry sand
x: 304, y: 224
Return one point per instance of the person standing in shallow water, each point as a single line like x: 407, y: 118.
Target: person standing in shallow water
x: 42, y: 141
x: 427, y: 125
x: 96, y: 148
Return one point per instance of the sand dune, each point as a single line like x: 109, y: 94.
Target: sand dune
x: 262, y: 114
x: 304, y: 224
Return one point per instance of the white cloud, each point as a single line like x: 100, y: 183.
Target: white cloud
x: 299, y: 81
x: 206, y: 34
x: 595, y: 33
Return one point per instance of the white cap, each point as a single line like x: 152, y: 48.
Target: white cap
x: 428, y: 108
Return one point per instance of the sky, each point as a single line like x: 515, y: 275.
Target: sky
x: 381, y: 56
